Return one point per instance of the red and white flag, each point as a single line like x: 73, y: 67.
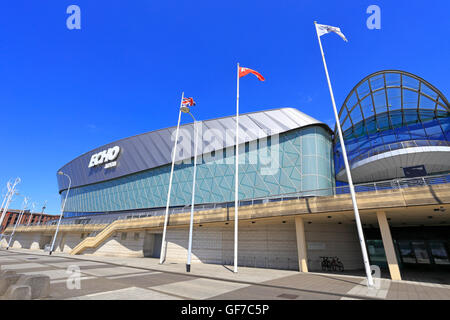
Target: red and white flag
x: 188, y: 102
x: 245, y: 71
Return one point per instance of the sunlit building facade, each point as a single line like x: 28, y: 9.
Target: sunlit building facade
x: 294, y: 203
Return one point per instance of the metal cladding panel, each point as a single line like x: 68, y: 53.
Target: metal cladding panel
x: 153, y: 149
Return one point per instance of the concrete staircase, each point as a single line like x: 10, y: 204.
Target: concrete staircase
x: 93, y: 242
x: 120, y: 225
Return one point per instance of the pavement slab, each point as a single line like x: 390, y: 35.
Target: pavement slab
x: 199, y: 288
x: 53, y: 274
x: 153, y: 280
x: 113, y: 271
x: 125, y: 278
x: 132, y: 293
x: 21, y: 266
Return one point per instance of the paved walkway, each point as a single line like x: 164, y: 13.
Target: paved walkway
x: 144, y: 278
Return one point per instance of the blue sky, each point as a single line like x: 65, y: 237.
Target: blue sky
x: 64, y: 92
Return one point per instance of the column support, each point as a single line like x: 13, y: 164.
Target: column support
x: 301, y: 244
x: 388, y: 245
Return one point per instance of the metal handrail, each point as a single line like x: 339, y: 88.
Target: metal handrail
x: 396, y: 146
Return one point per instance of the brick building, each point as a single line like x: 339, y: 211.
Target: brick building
x: 28, y: 218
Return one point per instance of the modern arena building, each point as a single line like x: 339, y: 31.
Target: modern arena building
x: 294, y: 204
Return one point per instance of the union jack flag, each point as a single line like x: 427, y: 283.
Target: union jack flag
x: 188, y: 102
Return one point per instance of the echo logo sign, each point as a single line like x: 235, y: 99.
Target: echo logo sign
x: 106, y: 157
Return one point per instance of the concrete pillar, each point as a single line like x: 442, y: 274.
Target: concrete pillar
x: 388, y: 245
x: 301, y: 244
x: 62, y: 242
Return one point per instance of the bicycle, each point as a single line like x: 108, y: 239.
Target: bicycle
x: 337, y: 264
x: 325, y: 263
x: 331, y: 264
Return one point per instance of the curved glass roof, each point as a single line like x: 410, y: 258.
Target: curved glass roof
x: 380, y: 95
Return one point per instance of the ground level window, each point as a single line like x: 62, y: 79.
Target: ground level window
x: 420, y: 251
x: 136, y: 236
x: 439, y: 252
x: 123, y: 236
x: 406, y: 252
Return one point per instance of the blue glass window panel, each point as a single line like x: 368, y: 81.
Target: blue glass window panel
x: 426, y: 115
x: 367, y: 107
x: 356, y: 115
x: 375, y: 139
x: 390, y: 137
x: 434, y: 130
x: 346, y: 124
x: 394, y: 98
x: 352, y: 101
x: 380, y: 100
x: 363, y: 89
x: 359, y: 129
x: 410, y: 99
x: 410, y: 82
x: 377, y: 82
x: 392, y: 79
x: 445, y: 125
x: 417, y: 132
x: 396, y: 119
x: 426, y: 103
x: 411, y: 116
x: 441, y: 104
x: 428, y: 91
x: 371, y: 126
x: 383, y: 122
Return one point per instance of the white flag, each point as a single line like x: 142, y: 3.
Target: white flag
x: 324, y: 29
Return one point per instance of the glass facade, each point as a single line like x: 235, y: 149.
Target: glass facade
x: 391, y: 110
x: 298, y: 160
x: 419, y: 248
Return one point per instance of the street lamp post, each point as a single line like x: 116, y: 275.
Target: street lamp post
x: 33, y: 205
x: 42, y: 213
x: 11, y: 192
x: 24, y: 206
x: 185, y: 109
x: 8, y: 186
x: 62, y: 211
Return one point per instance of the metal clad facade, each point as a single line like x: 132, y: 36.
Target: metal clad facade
x: 153, y: 149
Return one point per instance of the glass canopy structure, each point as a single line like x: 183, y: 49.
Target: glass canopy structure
x: 388, y: 111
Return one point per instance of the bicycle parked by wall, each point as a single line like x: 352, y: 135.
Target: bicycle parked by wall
x: 331, y: 264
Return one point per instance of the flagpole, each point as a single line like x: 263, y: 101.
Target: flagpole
x: 347, y: 169
x: 236, y: 182
x: 188, y: 265
x: 163, y: 244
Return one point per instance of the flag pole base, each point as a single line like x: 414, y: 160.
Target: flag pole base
x: 188, y: 268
